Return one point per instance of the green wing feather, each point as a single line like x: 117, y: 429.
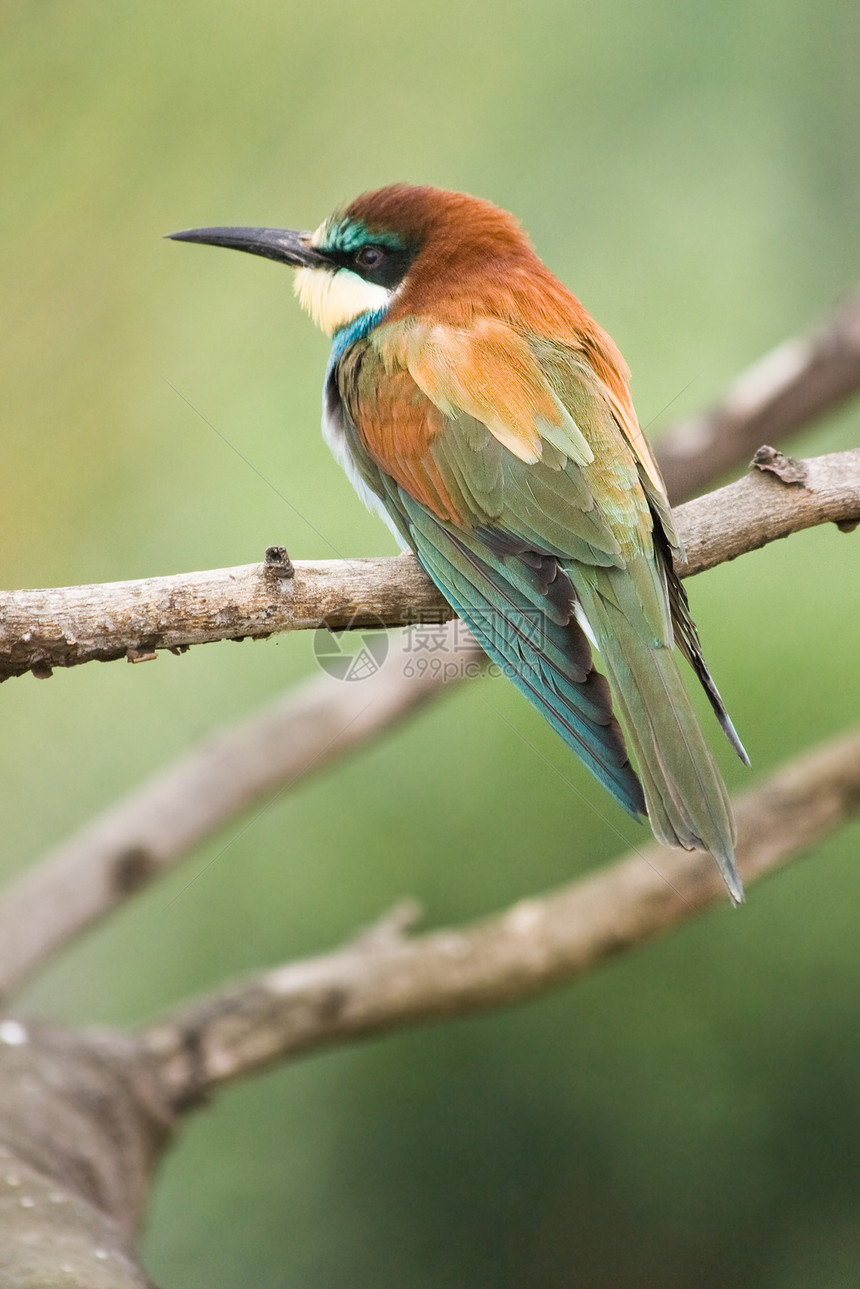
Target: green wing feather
x: 569, y: 544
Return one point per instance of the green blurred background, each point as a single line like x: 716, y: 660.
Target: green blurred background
x: 689, y: 1114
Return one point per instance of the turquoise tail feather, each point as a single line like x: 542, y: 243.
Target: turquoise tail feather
x: 687, y: 801
x: 502, y: 596
x: 548, y: 661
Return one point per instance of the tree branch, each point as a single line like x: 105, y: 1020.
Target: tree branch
x: 67, y: 626
x: 801, y: 380
x: 151, y: 829
x: 385, y: 981
x: 779, y: 496
x: 86, y: 1115
x: 84, y: 1123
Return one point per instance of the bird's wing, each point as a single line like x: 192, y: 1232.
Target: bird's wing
x: 514, y: 437
x: 490, y: 386
x: 610, y: 371
x: 494, y: 511
x: 503, y: 463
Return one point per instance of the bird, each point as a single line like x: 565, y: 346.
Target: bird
x: 487, y: 417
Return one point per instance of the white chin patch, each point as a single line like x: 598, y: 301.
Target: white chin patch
x: 336, y: 298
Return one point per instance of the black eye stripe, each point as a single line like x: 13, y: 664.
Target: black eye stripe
x: 387, y: 265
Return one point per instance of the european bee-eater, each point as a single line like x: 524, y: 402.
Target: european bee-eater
x: 479, y: 408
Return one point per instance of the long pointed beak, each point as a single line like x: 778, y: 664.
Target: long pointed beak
x: 273, y: 243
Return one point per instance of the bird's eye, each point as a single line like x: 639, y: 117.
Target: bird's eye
x: 370, y: 257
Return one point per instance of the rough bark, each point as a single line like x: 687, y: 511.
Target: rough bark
x: 68, y: 626
x: 83, y: 1122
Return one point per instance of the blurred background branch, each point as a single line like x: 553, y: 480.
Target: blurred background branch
x: 385, y: 981
x: 802, y: 379
x: 148, y: 832
x: 88, y: 1115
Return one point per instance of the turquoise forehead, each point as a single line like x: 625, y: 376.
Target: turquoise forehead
x: 348, y: 235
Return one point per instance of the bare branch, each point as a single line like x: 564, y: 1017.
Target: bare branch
x: 381, y: 983
x: 795, y: 384
x: 69, y: 625
x: 66, y: 626
x: 150, y: 830
x: 783, y: 495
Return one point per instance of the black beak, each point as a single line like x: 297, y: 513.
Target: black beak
x: 274, y: 243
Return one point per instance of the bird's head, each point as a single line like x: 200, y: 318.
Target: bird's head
x: 402, y: 243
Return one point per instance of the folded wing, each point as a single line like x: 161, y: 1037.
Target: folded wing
x: 530, y: 496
